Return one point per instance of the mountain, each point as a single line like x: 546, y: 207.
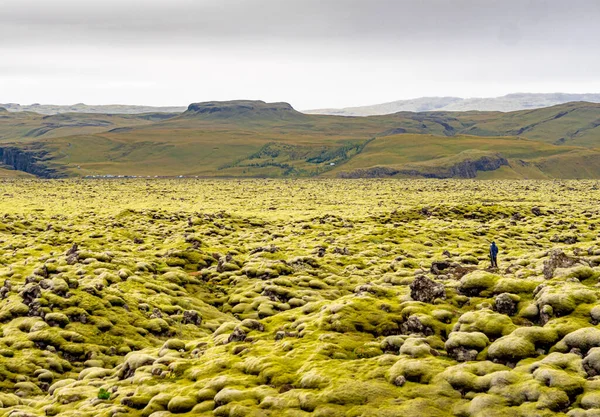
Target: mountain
x: 422, y: 104
x: 241, y: 110
x: 257, y: 139
x: 508, y: 103
x: 50, y: 109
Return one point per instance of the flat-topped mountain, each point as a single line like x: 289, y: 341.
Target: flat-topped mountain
x: 243, y: 109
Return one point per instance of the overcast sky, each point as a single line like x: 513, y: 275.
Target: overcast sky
x: 311, y: 53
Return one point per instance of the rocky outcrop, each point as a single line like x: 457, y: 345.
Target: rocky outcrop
x: 506, y: 304
x: 425, y: 290
x: 558, y: 259
x: 375, y: 172
x: 466, y: 168
x: 30, y: 161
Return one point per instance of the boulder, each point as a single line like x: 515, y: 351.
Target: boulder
x: 425, y: 290
x: 192, y: 317
x: 558, y: 259
x: 506, y: 303
x: 133, y: 362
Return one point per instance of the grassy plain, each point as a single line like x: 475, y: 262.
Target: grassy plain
x: 298, y: 298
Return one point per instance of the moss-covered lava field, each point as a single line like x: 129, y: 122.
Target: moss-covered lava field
x: 299, y: 298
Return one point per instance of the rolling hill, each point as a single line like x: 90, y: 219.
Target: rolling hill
x: 30, y: 126
x: 258, y: 139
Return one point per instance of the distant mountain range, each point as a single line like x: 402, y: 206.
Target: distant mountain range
x: 508, y: 103
x: 50, y: 109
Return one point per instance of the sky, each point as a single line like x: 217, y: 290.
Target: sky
x: 310, y: 53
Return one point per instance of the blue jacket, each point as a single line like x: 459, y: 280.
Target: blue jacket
x: 493, y: 250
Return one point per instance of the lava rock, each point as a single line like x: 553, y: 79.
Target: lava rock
x: 506, y: 304
x: 425, y: 290
x: 558, y: 259
x: 192, y: 317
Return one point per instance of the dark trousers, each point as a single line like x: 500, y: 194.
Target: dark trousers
x: 494, y: 261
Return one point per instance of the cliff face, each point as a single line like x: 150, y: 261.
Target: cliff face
x: 375, y: 172
x: 468, y: 168
x: 30, y: 161
x: 464, y: 169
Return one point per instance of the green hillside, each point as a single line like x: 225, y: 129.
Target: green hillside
x: 257, y: 139
x: 574, y: 124
x: 430, y: 154
x: 29, y: 126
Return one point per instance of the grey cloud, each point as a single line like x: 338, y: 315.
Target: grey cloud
x: 338, y: 53
x: 401, y: 21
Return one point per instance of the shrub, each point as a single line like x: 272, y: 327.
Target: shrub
x: 103, y: 394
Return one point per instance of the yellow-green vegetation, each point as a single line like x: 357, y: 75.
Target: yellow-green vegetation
x: 257, y: 139
x: 135, y: 297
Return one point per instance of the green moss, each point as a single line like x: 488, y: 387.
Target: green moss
x: 9, y: 400
x: 540, y: 336
x: 579, y: 272
x: 174, y: 344
x: 356, y: 393
x: 27, y: 389
x: 133, y: 362
x: 516, y: 286
x: 136, y: 402
x: 229, y: 395
x: 421, y: 370
x: 590, y: 401
x: 180, y: 404
x: 511, y: 348
x: 367, y: 351
x: 564, y: 297
x: 292, y: 333
x: 468, y: 340
x: 57, y: 319
x: 156, y: 326
x: 205, y: 394
x: 12, y: 309
x: 485, y: 321
x: 553, y: 399
x: 46, y: 338
x: 477, y: 282
x: 583, y: 339
x: 415, y: 347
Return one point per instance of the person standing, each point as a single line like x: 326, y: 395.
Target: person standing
x: 494, y: 255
